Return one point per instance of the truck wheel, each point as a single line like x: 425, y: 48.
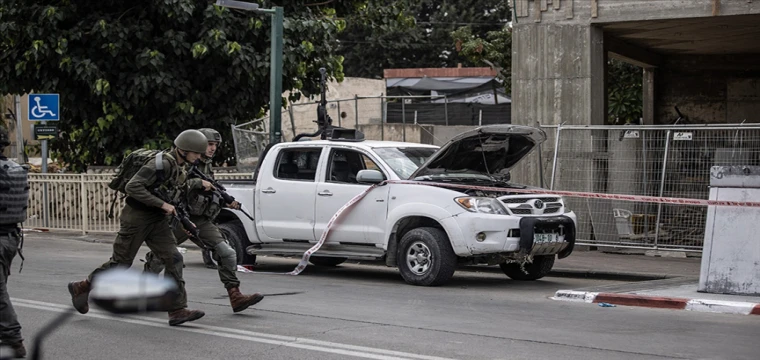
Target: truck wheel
x: 234, y: 232
x: 425, y: 257
x: 539, y: 268
x: 326, y: 260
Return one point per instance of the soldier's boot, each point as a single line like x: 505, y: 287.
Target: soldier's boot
x: 180, y: 316
x: 207, y: 259
x: 241, y: 302
x: 80, y: 295
x: 19, y: 351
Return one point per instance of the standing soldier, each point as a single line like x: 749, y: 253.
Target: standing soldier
x: 204, y: 206
x: 145, y: 217
x: 14, y: 194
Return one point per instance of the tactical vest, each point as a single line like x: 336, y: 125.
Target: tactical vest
x: 204, y: 203
x: 14, y: 192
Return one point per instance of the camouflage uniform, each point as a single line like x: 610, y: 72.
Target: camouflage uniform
x: 143, y: 220
x: 14, y: 196
x: 204, y: 206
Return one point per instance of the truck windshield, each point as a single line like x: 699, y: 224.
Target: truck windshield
x: 405, y: 161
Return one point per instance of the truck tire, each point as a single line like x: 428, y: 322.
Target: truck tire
x: 234, y: 232
x: 425, y: 257
x: 326, y: 260
x: 540, y: 267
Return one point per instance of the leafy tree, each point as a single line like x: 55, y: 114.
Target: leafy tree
x: 494, y: 50
x: 136, y: 73
x: 625, y: 93
x: 414, y: 33
x: 439, y: 18
x: 378, y: 36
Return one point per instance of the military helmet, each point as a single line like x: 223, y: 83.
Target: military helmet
x: 5, y: 140
x: 191, y: 140
x: 212, y: 135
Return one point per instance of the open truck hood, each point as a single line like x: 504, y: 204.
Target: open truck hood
x: 493, y: 149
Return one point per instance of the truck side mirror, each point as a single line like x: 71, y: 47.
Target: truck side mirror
x: 369, y: 177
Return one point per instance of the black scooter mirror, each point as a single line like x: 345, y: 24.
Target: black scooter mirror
x: 118, y: 291
x: 127, y: 291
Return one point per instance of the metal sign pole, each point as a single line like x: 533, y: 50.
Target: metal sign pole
x: 44, y: 108
x: 45, y: 202
x: 19, y: 132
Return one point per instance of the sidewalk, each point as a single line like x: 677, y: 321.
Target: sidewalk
x: 673, y: 284
x: 609, y: 265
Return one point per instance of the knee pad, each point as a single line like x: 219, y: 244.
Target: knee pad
x: 227, y: 255
x: 177, y: 257
x: 153, y: 264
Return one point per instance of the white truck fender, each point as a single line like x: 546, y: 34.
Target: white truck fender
x: 434, y: 212
x: 249, y: 226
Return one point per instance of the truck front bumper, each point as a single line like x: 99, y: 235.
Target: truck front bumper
x: 530, y: 226
x: 478, y: 234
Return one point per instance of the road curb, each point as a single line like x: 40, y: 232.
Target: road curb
x: 661, y: 302
x: 608, y: 275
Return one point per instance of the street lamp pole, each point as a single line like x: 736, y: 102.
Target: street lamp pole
x: 275, y: 82
x: 275, y: 89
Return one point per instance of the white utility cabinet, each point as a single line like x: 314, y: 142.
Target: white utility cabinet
x: 731, y: 252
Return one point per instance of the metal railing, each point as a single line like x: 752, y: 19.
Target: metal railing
x: 383, y: 117
x: 670, y: 161
x: 79, y: 202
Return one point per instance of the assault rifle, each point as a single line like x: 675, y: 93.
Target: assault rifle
x: 180, y: 214
x: 219, y: 188
x: 326, y: 130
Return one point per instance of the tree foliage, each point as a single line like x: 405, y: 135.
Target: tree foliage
x: 624, y: 93
x: 415, y: 33
x: 137, y: 73
x: 378, y: 36
x: 493, y: 50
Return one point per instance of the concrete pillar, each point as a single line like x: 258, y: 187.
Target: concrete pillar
x: 648, y: 97
x: 551, y: 82
x: 558, y: 76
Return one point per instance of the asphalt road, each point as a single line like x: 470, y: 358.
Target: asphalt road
x: 362, y: 311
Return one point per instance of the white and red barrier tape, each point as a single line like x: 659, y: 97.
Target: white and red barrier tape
x: 589, y: 195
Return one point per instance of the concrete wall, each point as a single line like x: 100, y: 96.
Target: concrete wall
x: 423, y: 134
x: 600, y: 11
x: 27, y: 126
x: 442, y: 134
x: 709, y: 89
x: 398, y: 132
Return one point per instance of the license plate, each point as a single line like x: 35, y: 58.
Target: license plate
x: 545, y: 238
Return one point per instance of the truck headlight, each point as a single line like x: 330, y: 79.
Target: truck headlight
x: 481, y: 205
x: 564, y: 204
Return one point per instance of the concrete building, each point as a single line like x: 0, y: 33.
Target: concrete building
x: 702, y: 55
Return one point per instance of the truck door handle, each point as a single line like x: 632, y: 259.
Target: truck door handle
x: 325, y: 193
x: 269, y: 191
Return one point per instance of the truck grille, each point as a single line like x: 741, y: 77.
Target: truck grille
x: 528, y: 205
x: 524, y: 200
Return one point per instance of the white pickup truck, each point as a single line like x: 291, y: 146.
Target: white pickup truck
x: 425, y: 231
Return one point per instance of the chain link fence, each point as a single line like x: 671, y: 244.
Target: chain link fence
x: 669, y: 161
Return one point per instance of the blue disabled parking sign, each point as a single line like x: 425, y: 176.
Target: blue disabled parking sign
x: 44, y: 107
